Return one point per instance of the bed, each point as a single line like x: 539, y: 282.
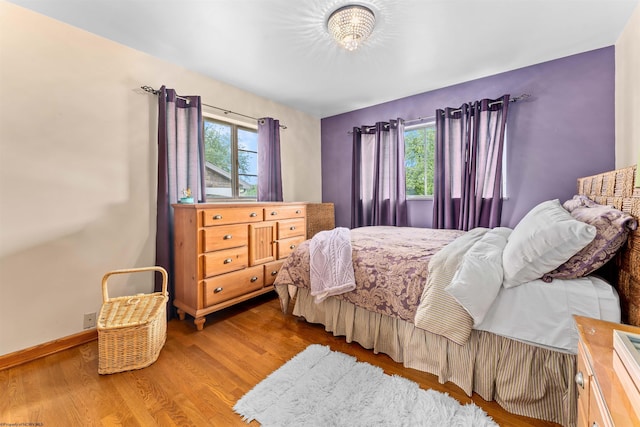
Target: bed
x: 417, y: 304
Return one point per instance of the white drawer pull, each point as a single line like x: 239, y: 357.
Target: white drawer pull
x: 580, y: 379
x: 274, y: 272
x: 253, y: 214
x: 292, y: 247
x: 298, y: 211
x: 217, y: 290
x: 228, y: 261
x: 227, y: 237
x: 254, y: 278
x: 292, y: 228
x: 217, y: 217
x: 274, y: 213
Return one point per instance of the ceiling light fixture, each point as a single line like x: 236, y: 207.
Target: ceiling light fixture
x: 351, y: 25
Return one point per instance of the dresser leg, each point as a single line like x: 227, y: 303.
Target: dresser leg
x: 181, y: 314
x: 199, y: 322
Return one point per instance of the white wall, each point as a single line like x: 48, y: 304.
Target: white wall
x: 628, y: 93
x: 77, y: 168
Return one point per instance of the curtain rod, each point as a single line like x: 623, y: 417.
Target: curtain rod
x: 224, y: 110
x: 420, y: 119
x: 514, y: 99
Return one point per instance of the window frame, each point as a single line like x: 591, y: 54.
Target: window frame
x: 235, y: 125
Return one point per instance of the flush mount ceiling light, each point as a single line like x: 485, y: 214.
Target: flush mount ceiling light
x: 351, y: 25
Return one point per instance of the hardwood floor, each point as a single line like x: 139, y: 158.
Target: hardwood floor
x: 196, y: 380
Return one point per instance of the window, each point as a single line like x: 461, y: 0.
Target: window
x: 419, y: 158
x: 231, y: 160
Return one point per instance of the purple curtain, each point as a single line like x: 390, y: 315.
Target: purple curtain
x: 269, y: 166
x: 468, y: 165
x: 378, y: 195
x: 180, y: 166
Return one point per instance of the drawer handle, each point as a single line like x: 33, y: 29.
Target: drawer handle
x: 253, y: 214
x: 217, y: 290
x: 580, y: 379
x: 292, y: 247
x: 217, y: 217
x: 274, y: 213
x: 298, y: 211
x: 595, y: 424
x: 274, y: 272
x: 254, y: 278
x: 227, y: 237
x: 228, y: 261
x: 292, y: 228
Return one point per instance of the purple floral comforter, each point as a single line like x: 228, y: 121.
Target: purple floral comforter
x: 390, y: 263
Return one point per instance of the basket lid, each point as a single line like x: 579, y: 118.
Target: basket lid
x: 130, y: 311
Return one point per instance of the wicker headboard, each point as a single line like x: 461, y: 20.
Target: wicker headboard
x: 617, y: 188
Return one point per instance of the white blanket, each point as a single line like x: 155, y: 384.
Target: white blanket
x: 479, y: 277
x: 331, y: 265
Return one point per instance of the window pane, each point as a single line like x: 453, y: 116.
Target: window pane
x: 247, y: 140
x: 247, y: 163
x: 218, y: 145
x: 248, y: 186
x: 419, y: 160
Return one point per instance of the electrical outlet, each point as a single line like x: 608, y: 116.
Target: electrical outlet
x: 89, y: 321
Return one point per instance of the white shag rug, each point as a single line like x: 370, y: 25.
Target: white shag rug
x: 320, y: 387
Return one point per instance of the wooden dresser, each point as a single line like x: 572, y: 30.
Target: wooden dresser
x: 602, y: 400
x: 226, y: 253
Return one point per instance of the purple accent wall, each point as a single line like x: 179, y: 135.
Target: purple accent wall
x: 565, y: 130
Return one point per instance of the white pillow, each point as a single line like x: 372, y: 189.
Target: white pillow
x: 479, y: 276
x: 543, y: 240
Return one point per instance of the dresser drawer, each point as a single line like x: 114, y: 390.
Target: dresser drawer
x: 223, y: 216
x: 286, y: 246
x: 271, y: 270
x: 273, y: 213
x: 290, y: 228
x: 224, y: 261
x: 583, y: 381
x: 232, y: 285
x: 224, y: 237
x: 598, y: 412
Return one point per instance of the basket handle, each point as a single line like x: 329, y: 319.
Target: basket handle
x: 105, y: 292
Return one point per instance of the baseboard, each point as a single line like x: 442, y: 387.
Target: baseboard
x: 27, y: 355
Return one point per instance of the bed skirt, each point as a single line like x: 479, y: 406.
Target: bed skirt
x: 523, y: 379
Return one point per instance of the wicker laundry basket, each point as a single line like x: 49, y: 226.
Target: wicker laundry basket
x: 131, y: 329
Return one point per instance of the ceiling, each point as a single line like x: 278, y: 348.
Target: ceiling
x: 280, y: 49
